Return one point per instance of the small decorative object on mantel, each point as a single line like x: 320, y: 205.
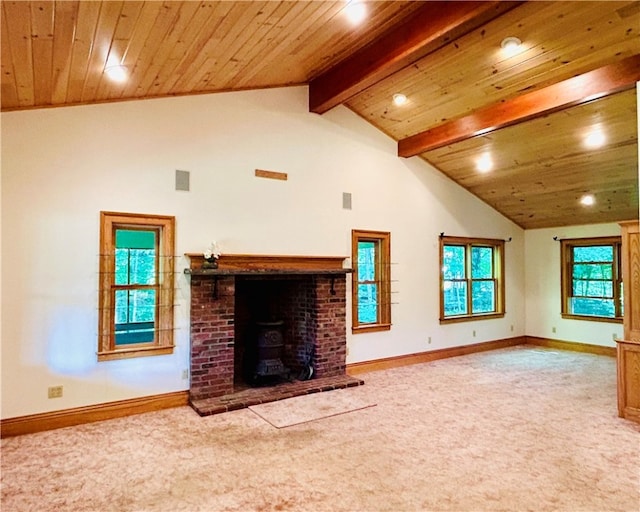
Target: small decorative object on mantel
x: 211, y: 256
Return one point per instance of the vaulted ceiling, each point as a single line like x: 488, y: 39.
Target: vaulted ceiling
x: 524, y: 115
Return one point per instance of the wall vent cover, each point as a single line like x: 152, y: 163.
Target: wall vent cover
x: 182, y: 180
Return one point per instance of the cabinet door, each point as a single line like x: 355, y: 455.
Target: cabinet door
x: 631, y: 279
x: 629, y: 380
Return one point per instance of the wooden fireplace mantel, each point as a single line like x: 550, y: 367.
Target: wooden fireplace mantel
x: 230, y: 264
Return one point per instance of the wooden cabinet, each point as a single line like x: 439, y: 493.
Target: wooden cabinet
x: 629, y: 380
x: 628, y: 363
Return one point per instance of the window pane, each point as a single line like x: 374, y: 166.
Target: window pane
x: 135, y: 256
x: 142, y: 305
x: 135, y: 266
x: 134, y: 333
x: 366, y: 261
x: 135, y: 239
x: 593, y: 307
x: 367, y: 303
x: 481, y: 263
x: 142, y: 266
x: 122, y: 306
x: 455, y: 298
x: 583, y: 288
x: 135, y: 306
x: 135, y: 316
x: 593, y: 271
x: 593, y: 253
x: 453, y: 264
x: 483, y: 297
x: 122, y: 266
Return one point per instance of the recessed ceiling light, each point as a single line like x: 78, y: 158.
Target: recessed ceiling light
x: 356, y: 11
x: 587, y: 200
x: 116, y: 73
x: 484, y: 163
x: 595, y: 139
x: 399, y: 99
x: 510, y: 45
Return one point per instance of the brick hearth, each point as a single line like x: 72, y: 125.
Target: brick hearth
x: 255, y: 396
x: 312, y: 303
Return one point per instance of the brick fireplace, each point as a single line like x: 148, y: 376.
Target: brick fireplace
x: 306, y: 294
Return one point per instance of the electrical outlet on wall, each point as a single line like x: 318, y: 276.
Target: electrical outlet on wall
x: 55, y: 392
x: 185, y: 374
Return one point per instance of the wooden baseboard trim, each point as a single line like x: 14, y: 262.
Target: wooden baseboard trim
x: 110, y: 410
x: 425, y: 357
x: 79, y: 415
x: 570, y: 345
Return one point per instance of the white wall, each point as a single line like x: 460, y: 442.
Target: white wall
x: 542, y: 284
x: 61, y: 166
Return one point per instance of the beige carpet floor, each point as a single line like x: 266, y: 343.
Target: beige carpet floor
x: 519, y: 429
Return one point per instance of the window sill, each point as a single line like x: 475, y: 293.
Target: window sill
x: 135, y: 352
x: 611, y: 320
x: 370, y: 328
x: 470, y: 318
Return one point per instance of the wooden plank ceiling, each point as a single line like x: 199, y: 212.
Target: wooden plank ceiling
x: 54, y: 53
x: 527, y: 113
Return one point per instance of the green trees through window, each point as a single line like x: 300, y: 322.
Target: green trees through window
x: 483, y: 284
x: 471, y: 277
x: 454, y: 271
x: 591, y: 280
x: 371, y: 287
x: 367, y: 284
x: 135, y: 286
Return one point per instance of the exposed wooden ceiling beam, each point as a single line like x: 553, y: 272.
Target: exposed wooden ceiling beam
x: 428, y: 29
x: 579, y: 89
